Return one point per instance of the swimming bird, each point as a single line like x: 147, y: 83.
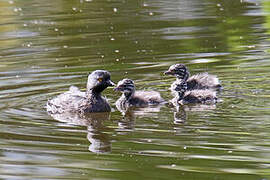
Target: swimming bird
x: 199, y: 88
x: 197, y: 81
x: 132, y: 98
x: 84, y: 102
x: 204, y: 96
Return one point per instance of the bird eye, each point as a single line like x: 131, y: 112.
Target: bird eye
x: 100, y: 79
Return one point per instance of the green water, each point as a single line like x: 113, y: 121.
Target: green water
x: 46, y: 46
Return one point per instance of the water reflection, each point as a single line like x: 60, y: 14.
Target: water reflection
x: 100, y: 141
x: 48, y: 45
x: 127, y: 123
x: 180, y: 115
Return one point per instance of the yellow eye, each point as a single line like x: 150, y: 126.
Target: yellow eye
x: 100, y: 79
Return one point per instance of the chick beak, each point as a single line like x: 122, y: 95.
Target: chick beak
x: 168, y: 72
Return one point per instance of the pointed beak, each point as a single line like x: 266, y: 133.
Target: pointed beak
x: 168, y: 73
x: 110, y: 83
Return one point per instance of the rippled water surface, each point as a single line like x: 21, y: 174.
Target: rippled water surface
x: 46, y: 46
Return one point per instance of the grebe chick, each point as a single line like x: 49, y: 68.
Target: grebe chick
x: 197, y: 81
x: 185, y: 96
x: 84, y: 102
x: 130, y: 97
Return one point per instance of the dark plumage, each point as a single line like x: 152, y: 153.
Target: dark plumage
x: 197, y: 81
x: 130, y: 97
x: 199, y: 88
x: 83, y: 102
x: 204, y: 96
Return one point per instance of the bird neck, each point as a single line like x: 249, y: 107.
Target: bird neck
x: 183, y: 77
x: 182, y: 90
x: 92, y: 93
x: 128, y: 94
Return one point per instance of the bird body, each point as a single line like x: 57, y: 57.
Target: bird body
x: 204, y: 96
x: 132, y: 98
x: 76, y: 101
x: 203, y: 81
x: 199, y: 88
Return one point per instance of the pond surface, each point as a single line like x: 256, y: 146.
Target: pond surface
x: 46, y: 46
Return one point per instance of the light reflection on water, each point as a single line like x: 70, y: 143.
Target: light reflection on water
x: 48, y: 46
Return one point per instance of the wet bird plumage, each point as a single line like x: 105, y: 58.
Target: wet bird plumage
x: 199, y: 88
x: 83, y: 102
x: 132, y: 98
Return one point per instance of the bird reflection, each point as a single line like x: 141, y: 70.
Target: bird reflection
x: 180, y: 115
x: 100, y: 142
x: 127, y: 123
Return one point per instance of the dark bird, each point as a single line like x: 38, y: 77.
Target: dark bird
x: 199, y: 88
x: 197, y: 81
x: 132, y: 98
x: 84, y: 102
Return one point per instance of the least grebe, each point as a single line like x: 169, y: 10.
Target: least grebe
x: 131, y: 97
x: 83, y: 102
x: 185, y: 96
x: 197, y: 81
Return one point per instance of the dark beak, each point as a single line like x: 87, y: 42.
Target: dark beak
x: 110, y: 83
x: 168, y: 73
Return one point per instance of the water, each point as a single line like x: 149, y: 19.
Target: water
x: 46, y: 46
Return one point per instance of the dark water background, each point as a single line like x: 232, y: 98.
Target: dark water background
x: 46, y: 46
